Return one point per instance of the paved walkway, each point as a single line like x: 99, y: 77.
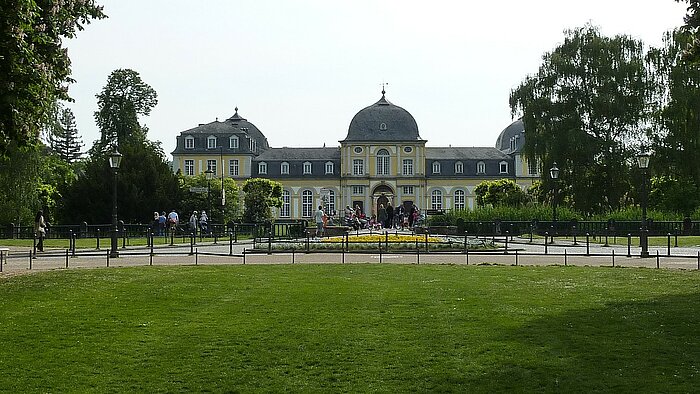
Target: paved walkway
x: 520, y: 252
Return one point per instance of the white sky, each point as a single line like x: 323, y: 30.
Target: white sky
x: 300, y: 70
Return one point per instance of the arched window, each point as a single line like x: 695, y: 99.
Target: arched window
x: 436, y: 167
x: 383, y: 162
x: 481, y: 167
x: 459, y: 167
x: 284, y: 168
x: 436, y: 199
x: 285, y: 212
x: 307, y: 203
x: 459, y: 199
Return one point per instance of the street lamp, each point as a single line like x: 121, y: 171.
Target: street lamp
x: 554, y: 174
x: 643, y: 162
x: 115, y: 159
x: 210, y: 175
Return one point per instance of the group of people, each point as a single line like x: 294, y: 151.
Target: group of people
x: 387, y: 217
x: 197, y: 222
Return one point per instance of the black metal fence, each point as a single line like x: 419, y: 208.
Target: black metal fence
x: 610, y: 228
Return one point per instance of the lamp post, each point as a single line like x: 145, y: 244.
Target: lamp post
x: 554, y: 174
x: 643, y: 162
x: 210, y: 174
x: 115, y: 159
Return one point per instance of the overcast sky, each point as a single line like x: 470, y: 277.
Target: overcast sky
x: 300, y: 70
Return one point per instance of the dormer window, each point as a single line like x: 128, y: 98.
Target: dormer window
x: 262, y: 168
x: 211, y: 142
x: 253, y: 145
x: 503, y: 166
x: 481, y: 167
x: 382, y: 126
x: 459, y: 167
x: 307, y: 168
x: 436, y: 167
x: 329, y: 167
x: 189, y: 142
x: 233, y: 142
x: 284, y: 168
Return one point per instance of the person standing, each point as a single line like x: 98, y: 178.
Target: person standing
x: 389, y: 216
x: 173, y: 220
x: 40, y: 229
x: 204, y: 223
x: 381, y: 215
x: 193, y: 223
x: 161, y: 223
x: 319, y: 217
x: 156, y: 223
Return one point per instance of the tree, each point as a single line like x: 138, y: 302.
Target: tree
x: 501, y: 192
x: 586, y: 110
x: 260, y: 196
x: 34, y: 65
x: 691, y: 50
x: 121, y: 102
x: 63, y: 137
x: 198, y: 201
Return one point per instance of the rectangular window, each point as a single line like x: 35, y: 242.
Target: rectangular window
x: 532, y: 167
x: 504, y: 168
x: 189, y: 167
x: 408, y: 166
x: 459, y: 167
x: 408, y: 190
x: 262, y: 168
x: 233, y: 167
x: 307, y: 168
x: 284, y: 168
x: 358, y: 167
x: 358, y: 190
x: 211, y: 165
x: 233, y: 142
x: 189, y: 143
x: 285, y: 212
x: 329, y: 168
x: 211, y: 142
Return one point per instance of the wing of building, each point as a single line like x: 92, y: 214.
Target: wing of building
x: 382, y: 160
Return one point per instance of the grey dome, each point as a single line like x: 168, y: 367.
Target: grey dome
x: 516, y: 132
x: 383, y: 121
x: 241, y: 123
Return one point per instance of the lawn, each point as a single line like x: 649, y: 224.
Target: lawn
x: 359, y: 328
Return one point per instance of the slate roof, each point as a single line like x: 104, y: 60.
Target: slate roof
x: 367, y: 124
x: 516, y: 128
x: 289, y: 154
x: 464, y: 153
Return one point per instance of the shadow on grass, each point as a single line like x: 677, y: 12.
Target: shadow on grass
x: 649, y: 345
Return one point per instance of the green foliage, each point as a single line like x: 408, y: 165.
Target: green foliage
x: 582, y: 109
x: 34, y: 65
x: 63, y: 137
x: 501, y: 192
x: 208, y: 201
x: 674, y: 195
x: 634, y: 213
x: 145, y: 184
x: 260, y: 196
x: 691, y: 51
x: 525, y: 213
x: 121, y: 102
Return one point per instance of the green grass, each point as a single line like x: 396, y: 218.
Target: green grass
x: 359, y: 328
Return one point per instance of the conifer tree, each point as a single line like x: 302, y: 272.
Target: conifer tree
x: 64, y: 139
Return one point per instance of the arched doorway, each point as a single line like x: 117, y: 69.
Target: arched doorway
x: 383, y: 195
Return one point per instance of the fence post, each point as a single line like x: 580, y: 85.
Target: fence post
x: 380, y: 251
x: 606, y: 236
x: 33, y: 251
x: 269, y: 242
x: 613, y: 257
x: 97, y: 234
x: 307, y: 240
x: 121, y: 225
x: 629, y: 245
x: 675, y: 235
x: 587, y: 245
x: 230, y: 243
x: 191, y: 244
x: 516, y: 257
x: 75, y: 240
x: 574, y: 230
x: 417, y: 253
x: 150, y: 236
x: 30, y: 260
x: 668, y: 247
x: 546, y: 236
x: 657, y: 258
x: 67, y: 254
x: 243, y: 256
x: 108, y: 258
x: 698, y: 261
x: 426, y: 240
x: 506, y: 242
x: 465, y: 241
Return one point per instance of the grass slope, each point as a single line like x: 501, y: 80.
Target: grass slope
x: 383, y: 328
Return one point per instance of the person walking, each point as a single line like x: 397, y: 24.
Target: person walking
x: 389, y: 216
x: 319, y: 217
x: 40, y: 229
x: 161, y: 223
x: 204, y: 223
x: 381, y: 215
x: 194, y: 223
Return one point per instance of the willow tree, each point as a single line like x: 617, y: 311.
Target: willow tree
x: 585, y: 109
x: 675, y: 131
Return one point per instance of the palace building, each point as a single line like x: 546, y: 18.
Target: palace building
x: 383, y: 159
